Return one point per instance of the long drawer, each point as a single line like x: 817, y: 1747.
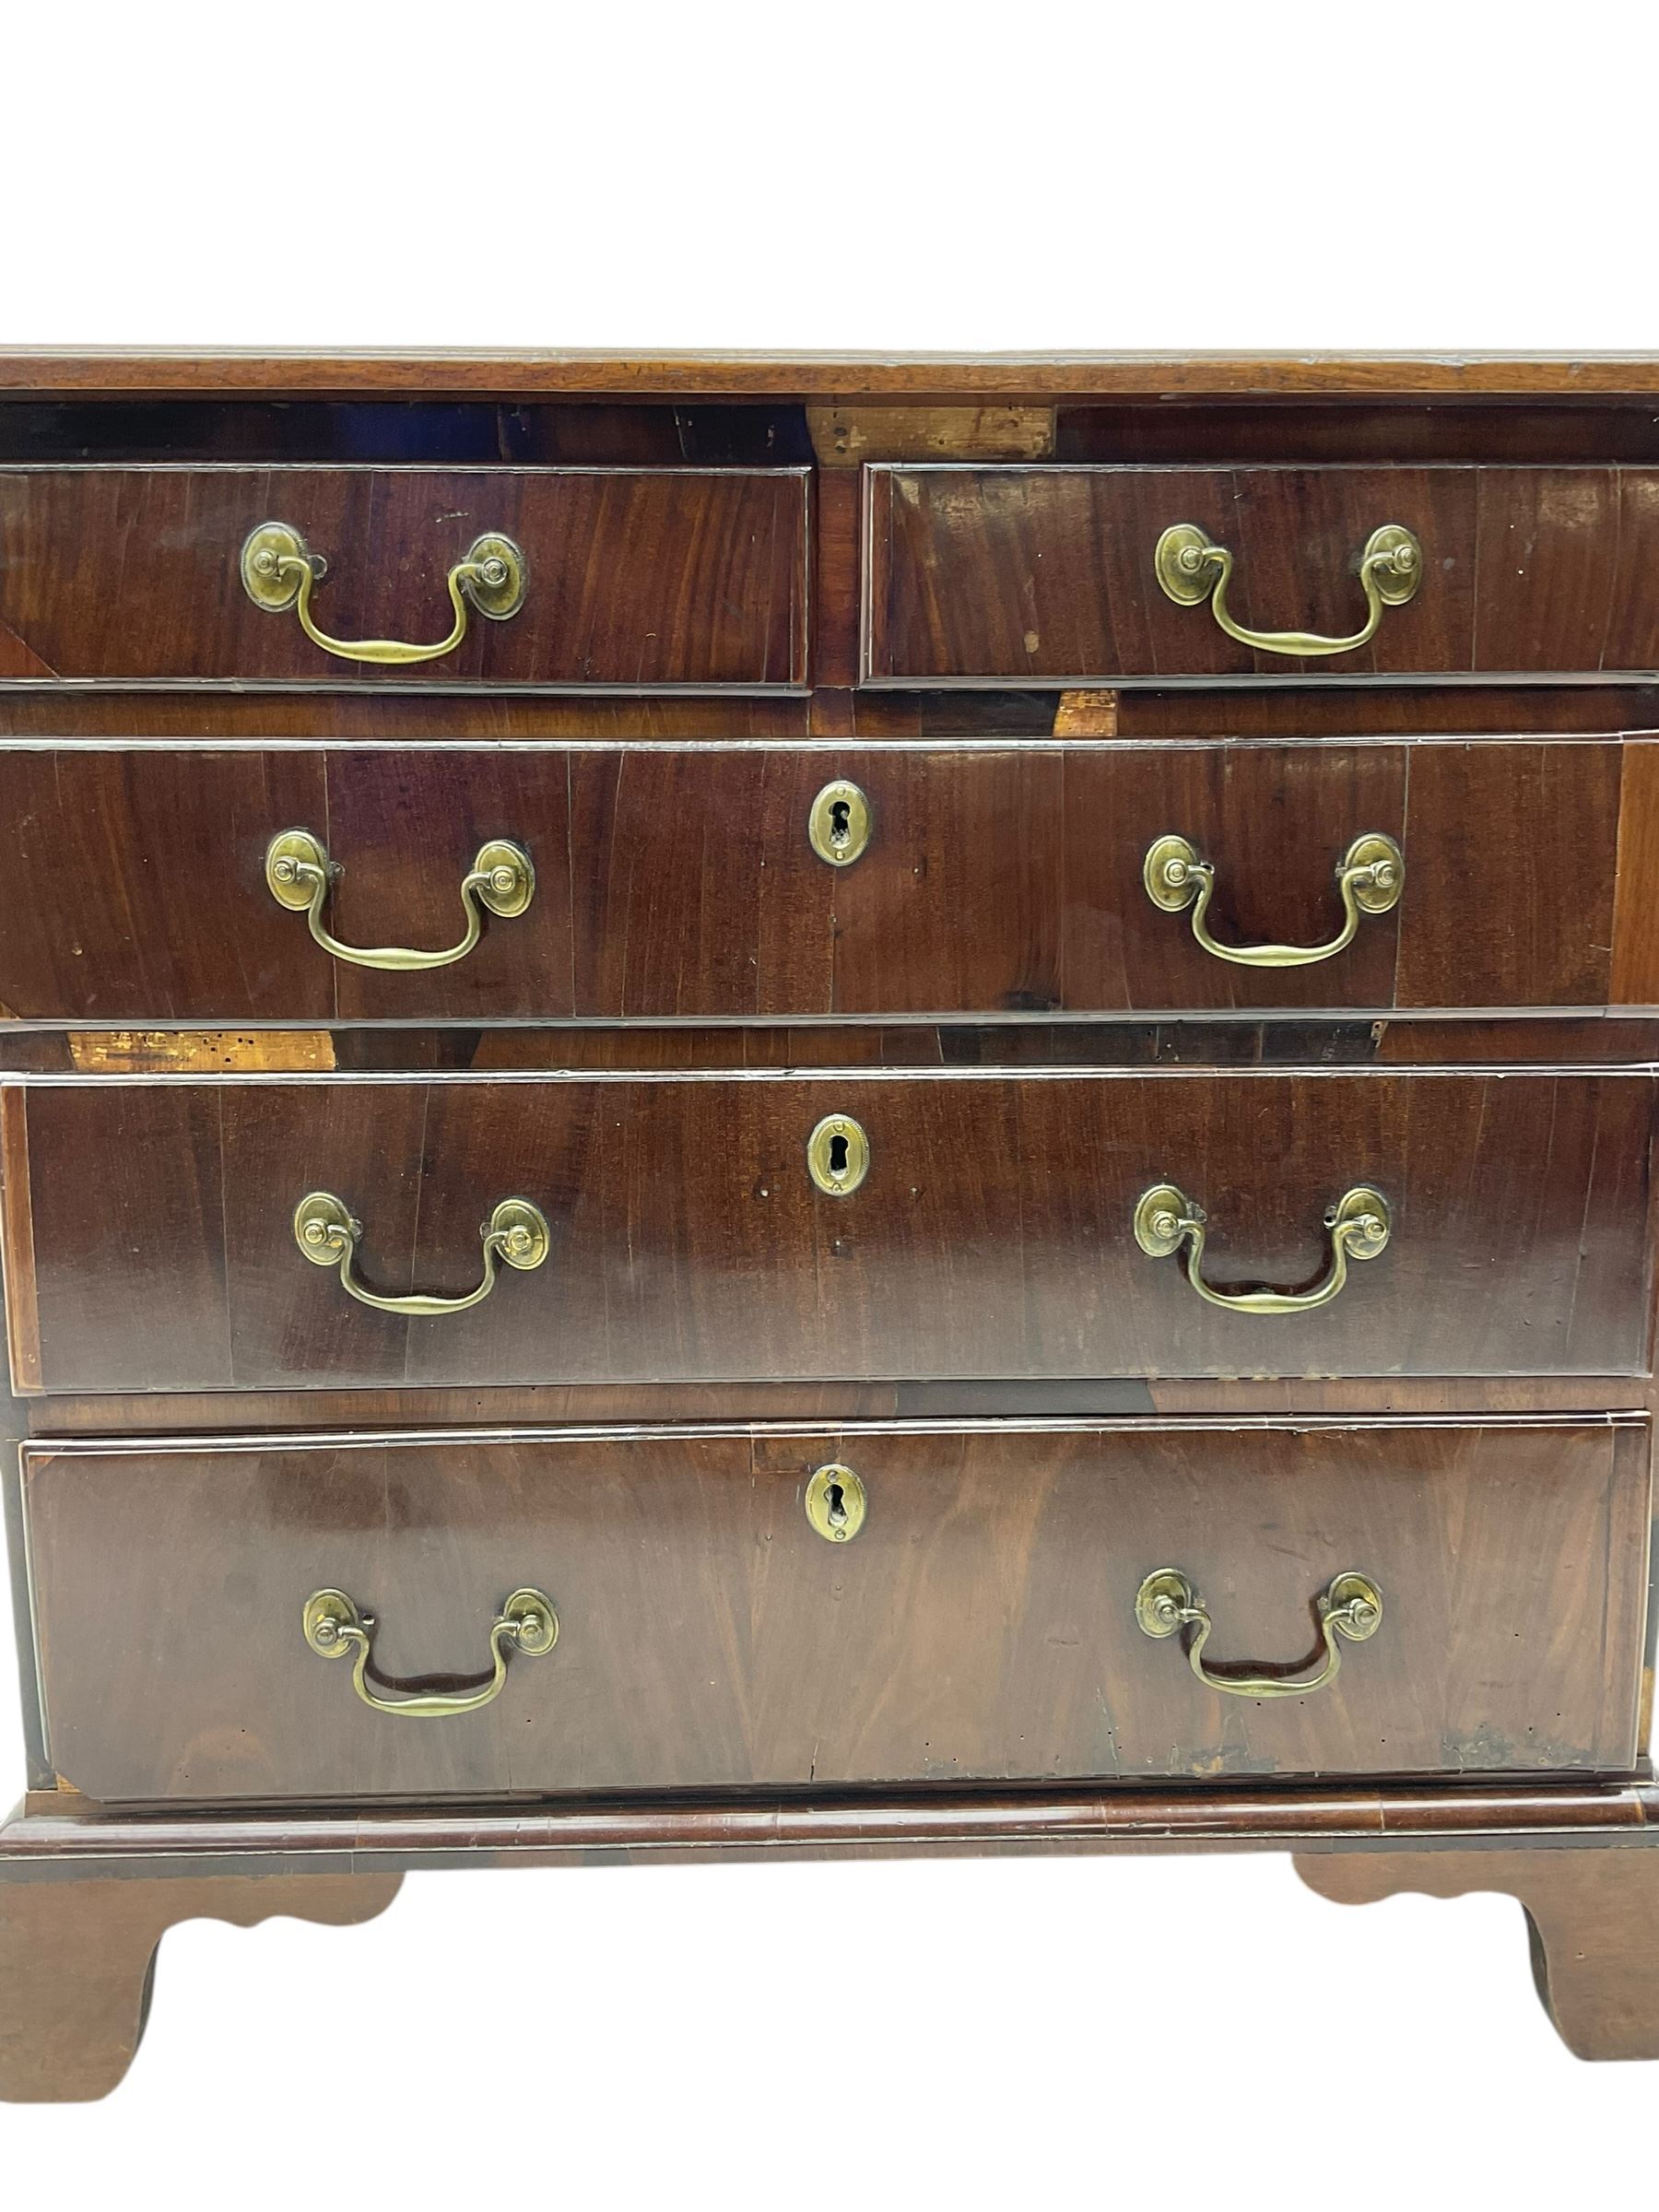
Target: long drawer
x: 1051, y: 575
x: 708, y: 1229
x: 703, y: 881
x: 981, y: 1624
x: 638, y: 578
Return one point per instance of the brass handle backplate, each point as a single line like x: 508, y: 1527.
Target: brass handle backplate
x: 838, y: 823
x: 1350, y: 1606
x: 277, y: 573
x: 335, y: 1626
x: 1369, y: 877
x: 1191, y: 568
x: 326, y: 1233
x: 1357, y: 1225
x: 299, y: 872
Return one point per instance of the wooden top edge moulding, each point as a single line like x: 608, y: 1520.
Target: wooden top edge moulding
x: 1061, y: 376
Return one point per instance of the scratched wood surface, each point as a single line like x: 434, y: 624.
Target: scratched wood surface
x: 1038, y: 575
x: 635, y: 577
x: 992, y: 1237
x: 979, y: 1627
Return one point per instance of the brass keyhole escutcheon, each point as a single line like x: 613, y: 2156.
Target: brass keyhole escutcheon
x: 838, y: 826
x: 836, y: 1503
x: 837, y: 1155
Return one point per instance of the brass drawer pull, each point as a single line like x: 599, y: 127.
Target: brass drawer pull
x: 299, y: 871
x: 277, y: 573
x: 1359, y: 1224
x: 327, y: 1235
x: 1369, y: 877
x: 335, y: 1626
x: 1192, y: 567
x: 1350, y: 1606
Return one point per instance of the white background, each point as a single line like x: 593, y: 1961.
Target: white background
x: 1413, y: 176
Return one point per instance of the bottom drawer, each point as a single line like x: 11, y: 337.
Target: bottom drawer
x: 979, y: 1625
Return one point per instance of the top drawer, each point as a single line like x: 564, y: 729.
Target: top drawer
x: 639, y: 579
x: 1075, y: 575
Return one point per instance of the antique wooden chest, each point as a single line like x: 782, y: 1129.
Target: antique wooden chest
x: 794, y: 1106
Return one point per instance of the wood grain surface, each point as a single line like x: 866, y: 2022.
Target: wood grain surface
x: 981, y: 1627
x: 1041, y: 575
x: 1593, y: 1918
x: 679, y: 883
x: 76, y: 1960
x: 1149, y: 374
x: 992, y: 1237
x: 635, y: 577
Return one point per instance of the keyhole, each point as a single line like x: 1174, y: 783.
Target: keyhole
x: 836, y: 1514
x: 839, y: 825
x: 838, y: 1154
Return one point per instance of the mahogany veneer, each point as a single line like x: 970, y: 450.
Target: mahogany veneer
x: 678, y: 883
x: 980, y: 1628
x: 859, y: 1509
x: 1009, y: 574
x: 991, y: 1238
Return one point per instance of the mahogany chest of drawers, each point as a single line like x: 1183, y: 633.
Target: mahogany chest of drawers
x: 825, y: 1107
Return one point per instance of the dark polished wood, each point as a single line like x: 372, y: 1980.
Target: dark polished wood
x: 1046, y: 575
x: 239, y: 1413
x: 1011, y: 1043
x: 680, y: 883
x: 56, y: 1835
x: 709, y: 1636
x: 1593, y: 1918
x: 637, y: 578
x: 78, y: 1959
x: 828, y: 716
x: 991, y: 1238
x: 748, y: 577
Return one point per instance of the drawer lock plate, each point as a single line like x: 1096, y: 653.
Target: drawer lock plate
x: 836, y: 1503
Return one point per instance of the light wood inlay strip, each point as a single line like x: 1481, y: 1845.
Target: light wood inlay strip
x: 22, y: 1313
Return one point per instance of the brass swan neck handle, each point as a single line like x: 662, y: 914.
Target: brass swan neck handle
x: 1357, y: 1225
x: 1369, y: 877
x: 335, y: 1627
x: 1191, y: 568
x: 278, y: 572
x: 1350, y: 1606
x: 327, y: 1234
x: 299, y: 872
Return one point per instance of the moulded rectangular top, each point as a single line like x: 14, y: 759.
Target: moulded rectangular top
x: 1051, y: 376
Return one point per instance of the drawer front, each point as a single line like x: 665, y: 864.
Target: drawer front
x: 979, y: 1625
x: 685, y: 883
x: 151, y: 1240
x: 1051, y: 575
x: 639, y: 578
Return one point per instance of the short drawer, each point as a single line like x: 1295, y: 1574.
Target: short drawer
x: 1061, y: 574
x: 714, y: 882
x: 643, y: 578
x: 725, y: 1228
x: 981, y: 1624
